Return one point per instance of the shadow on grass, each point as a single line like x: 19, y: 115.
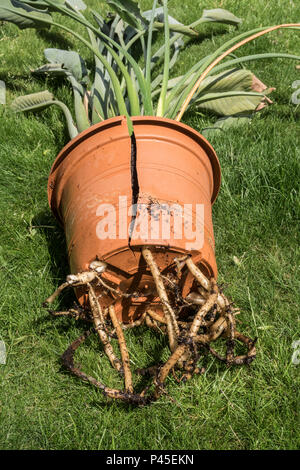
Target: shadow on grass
x: 59, y: 264
x: 55, y: 39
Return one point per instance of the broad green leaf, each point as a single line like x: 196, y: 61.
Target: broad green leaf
x: 51, y: 69
x: 71, y: 61
x: 231, y: 102
x: 23, y: 15
x: 228, y: 82
x: 74, y: 4
x: 177, y: 28
x: 234, y: 79
x: 41, y: 3
x: 129, y: 11
x: 224, y: 124
x: 39, y: 101
x: 174, y: 25
x: 75, y: 70
x: 33, y: 101
x: 226, y: 48
x: 2, y: 92
x: 219, y: 15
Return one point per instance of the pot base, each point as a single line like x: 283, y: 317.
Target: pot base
x: 133, y: 294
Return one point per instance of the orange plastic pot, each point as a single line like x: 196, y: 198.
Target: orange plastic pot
x: 90, y: 192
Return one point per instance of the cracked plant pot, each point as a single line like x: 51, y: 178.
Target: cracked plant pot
x: 115, y: 194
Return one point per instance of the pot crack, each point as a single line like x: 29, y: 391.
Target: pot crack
x: 135, y: 188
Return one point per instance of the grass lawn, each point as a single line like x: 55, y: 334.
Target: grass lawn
x: 256, y: 219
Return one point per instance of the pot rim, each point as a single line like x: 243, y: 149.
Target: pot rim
x: 114, y: 122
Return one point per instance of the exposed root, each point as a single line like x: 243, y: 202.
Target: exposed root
x: 139, y: 322
x: 157, y: 317
x: 68, y: 362
x: 55, y: 294
x: 123, y: 349
x: 101, y: 329
x: 172, y: 326
x: 113, y: 290
x: 191, y: 325
x: 78, y: 313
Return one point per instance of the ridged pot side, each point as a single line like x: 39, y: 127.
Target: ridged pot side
x: 91, y: 182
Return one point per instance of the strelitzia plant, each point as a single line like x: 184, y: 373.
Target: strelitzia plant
x: 126, y: 82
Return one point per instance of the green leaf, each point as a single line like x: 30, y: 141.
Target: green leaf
x: 174, y: 25
x: 149, y: 46
x: 132, y: 90
x: 229, y: 82
x: 2, y: 92
x: 225, y: 123
x: 33, y: 101
x: 161, y: 106
x: 219, y: 15
x: 81, y: 116
x: 226, y: 48
x: 22, y: 15
x: 41, y: 3
x: 39, y: 101
x: 230, y: 102
x: 76, y: 72
x: 56, y: 70
x: 129, y: 11
x: 74, y: 4
x: 132, y: 94
x: 178, y: 28
x: 71, y: 61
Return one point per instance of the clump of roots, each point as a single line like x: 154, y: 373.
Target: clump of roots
x: 191, y: 325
